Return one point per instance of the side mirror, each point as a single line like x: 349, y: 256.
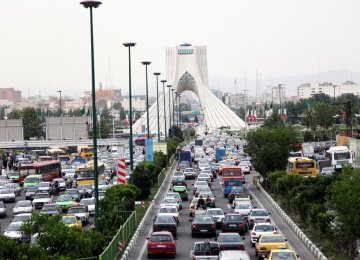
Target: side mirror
x: 148, y: 238
x: 190, y: 220
x: 269, y: 213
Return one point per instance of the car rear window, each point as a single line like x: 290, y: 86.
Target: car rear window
x: 161, y: 238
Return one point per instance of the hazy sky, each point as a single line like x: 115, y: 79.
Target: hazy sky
x: 45, y: 44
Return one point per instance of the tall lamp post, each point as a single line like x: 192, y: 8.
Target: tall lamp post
x: 147, y: 63
x: 131, y: 147
x: 163, y: 82
x: 179, y: 95
x: 59, y: 91
x: 169, y: 86
x: 176, y: 104
x: 173, y: 105
x: 334, y: 91
x: 93, y: 4
x: 157, y: 102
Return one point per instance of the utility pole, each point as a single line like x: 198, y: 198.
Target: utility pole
x: 244, y: 96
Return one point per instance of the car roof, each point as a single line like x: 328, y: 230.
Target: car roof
x: 161, y: 233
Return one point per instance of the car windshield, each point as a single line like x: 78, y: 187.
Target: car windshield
x: 64, y: 197
x: 21, y: 218
x: 272, y: 239
x: 13, y: 174
x: 199, y: 183
x: 167, y: 210
x: 283, y: 256
x: 203, y: 219
x: 23, y: 203
x: 81, y: 187
x: 71, y: 192
x: 189, y: 170
x: 32, y: 180
x: 14, y: 227
x: 229, y: 238
x: 44, y: 184
x: 49, y: 208
x: 31, y: 189
x: 165, y: 219
x: 169, y: 201
x: 233, y: 217
x: 87, y: 202
x: 215, y: 212
x: 6, y: 191
x: 41, y: 196
x: 9, y: 186
x: 160, y: 238
x: 68, y: 220
x: 77, y: 210
x: 243, y: 206
x: 259, y: 213
x: 264, y: 228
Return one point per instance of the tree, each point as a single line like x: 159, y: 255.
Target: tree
x: 32, y: 124
x: 14, y: 114
x: 184, y: 107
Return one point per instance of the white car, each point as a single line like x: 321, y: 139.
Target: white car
x: 258, y: 215
x: 23, y: 206
x: 13, y: 186
x: 81, y: 212
x: 90, y: 203
x: 13, y: 231
x: 175, y: 195
x: 41, y: 198
x: 261, y: 228
x: 178, y: 175
x: 62, y: 183
x: 170, y: 210
x: 7, y: 195
x: 169, y: 202
x: 202, y: 167
x: 206, y: 176
x: 244, y: 209
x: 217, y: 214
x: 45, y: 186
x: 245, y: 168
x: 21, y: 217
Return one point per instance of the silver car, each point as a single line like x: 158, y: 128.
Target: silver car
x: 7, y: 195
x: 14, y: 186
x: 23, y: 206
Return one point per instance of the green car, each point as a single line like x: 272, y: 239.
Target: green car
x: 182, y: 190
x: 13, y: 176
x: 65, y: 201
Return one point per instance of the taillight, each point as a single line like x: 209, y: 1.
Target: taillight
x: 275, y: 232
x: 262, y: 248
x: 253, y: 233
x: 212, y: 225
x: 268, y: 220
x: 194, y: 226
x: 240, y: 247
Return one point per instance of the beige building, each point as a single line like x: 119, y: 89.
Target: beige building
x: 330, y: 89
x: 9, y: 96
x: 137, y: 104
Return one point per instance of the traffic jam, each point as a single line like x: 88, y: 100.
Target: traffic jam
x: 208, y: 211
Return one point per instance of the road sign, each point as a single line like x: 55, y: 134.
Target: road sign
x: 121, y: 171
x: 149, y: 152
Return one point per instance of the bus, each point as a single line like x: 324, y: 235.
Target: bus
x: 140, y: 141
x: 49, y: 170
x: 85, y: 173
x: 85, y: 151
x: 55, y: 152
x: 231, y: 172
x: 339, y: 155
x: 302, y: 166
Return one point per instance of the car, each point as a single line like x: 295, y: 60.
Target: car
x: 74, y: 194
x: 85, y: 190
x: 202, y: 188
x: 50, y: 209
x: 203, y: 225
x: 161, y: 243
x: 3, y: 209
x: 233, y: 255
x: 208, y: 176
x: 233, y: 192
x: 90, y: 203
x: 14, y: 186
x: 258, y: 215
x: 230, y: 241
x: 170, y: 211
x: 240, y: 198
x: 280, y: 254
x: 244, y: 209
x: 65, y: 201
x: 81, y: 212
x: 13, y: 231
x: 182, y: 190
x: 164, y: 222
x: 189, y: 173
x: 71, y: 221
x: 30, y: 192
x: 45, y: 186
x: 41, y: 198
x: 7, y: 195
x: 245, y: 167
x: 261, y: 228
x: 193, y: 206
x: 199, y: 183
x: 204, y: 178
x: 178, y: 175
x: 169, y: 202
x: 234, y: 223
x: 23, y: 206
x: 175, y: 195
x: 62, y: 183
x: 265, y: 243
x: 21, y: 217
x: 202, y: 249
x: 13, y: 176
x: 327, y: 171
x: 217, y: 214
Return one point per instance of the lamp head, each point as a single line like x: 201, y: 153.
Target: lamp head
x: 146, y: 63
x: 157, y: 73
x: 129, y: 44
x: 163, y: 81
x: 169, y: 86
x: 91, y: 3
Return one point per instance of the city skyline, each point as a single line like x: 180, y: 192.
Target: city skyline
x: 46, y: 44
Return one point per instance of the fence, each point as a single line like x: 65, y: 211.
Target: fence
x: 161, y: 177
x: 124, y: 234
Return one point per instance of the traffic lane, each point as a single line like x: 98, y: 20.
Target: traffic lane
x: 293, y: 240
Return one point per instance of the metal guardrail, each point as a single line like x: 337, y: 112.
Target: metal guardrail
x: 124, y: 234
x: 308, y: 243
x: 161, y: 176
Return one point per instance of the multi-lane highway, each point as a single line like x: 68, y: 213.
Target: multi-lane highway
x: 184, y: 241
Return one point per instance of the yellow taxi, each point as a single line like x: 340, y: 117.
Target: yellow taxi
x: 192, y: 207
x: 282, y: 254
x: 71, y: 221
x: 268, y: 242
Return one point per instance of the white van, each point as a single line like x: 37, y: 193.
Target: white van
x: 234, y: 255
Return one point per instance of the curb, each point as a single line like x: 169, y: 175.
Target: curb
x: 308, y: 243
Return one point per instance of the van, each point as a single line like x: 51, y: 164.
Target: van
x: 32, y: 180
x: 233, y: 255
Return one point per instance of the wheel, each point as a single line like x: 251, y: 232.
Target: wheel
x: 252, y: 244
x: 172, y: 256
x: 149, y: 256
x: 256, y: 253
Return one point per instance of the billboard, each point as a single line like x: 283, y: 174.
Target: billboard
x: 160, y: 147
x: 149, y: 153
x: 66, y: 128
x: 11, y: 130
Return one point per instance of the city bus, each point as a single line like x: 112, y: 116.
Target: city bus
x: 85, y: 173
x: 140, y: 141
x: 302, y: 166
x: 231, y: 172
x: 339, y: 155
x: 85, y: 151
x: 49, y: 170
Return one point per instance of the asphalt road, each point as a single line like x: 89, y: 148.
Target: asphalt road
x: 184, y: 241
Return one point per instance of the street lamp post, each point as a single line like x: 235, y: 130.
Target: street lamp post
x: 93, y: 4
x: 129, y: 45
x: 169, y: 86
x: 59, y: 91
x: 157, y: 102
x: 334, y: 91
x: 147, y: 63
x: 173, y: 106
x: 176, y: 103
x: 163, y: 82
x: 179, y: 95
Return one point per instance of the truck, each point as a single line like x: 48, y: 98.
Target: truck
x: 185, y: 156
x: 205, y: 250
x: 308, y: 150
x: 220, y: 153
x: 199, y: 142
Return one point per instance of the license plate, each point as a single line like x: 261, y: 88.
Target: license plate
x: 203, y: 230
x: 161, y: 246
x: 232, y: 225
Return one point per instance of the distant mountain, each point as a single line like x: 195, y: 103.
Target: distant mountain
x: 227, y: 84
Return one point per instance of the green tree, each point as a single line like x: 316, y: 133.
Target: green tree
x: 14, y: 114
x: 32, y: 124
x: 185, y: 107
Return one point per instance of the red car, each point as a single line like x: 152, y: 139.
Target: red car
x: 161, y: 243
